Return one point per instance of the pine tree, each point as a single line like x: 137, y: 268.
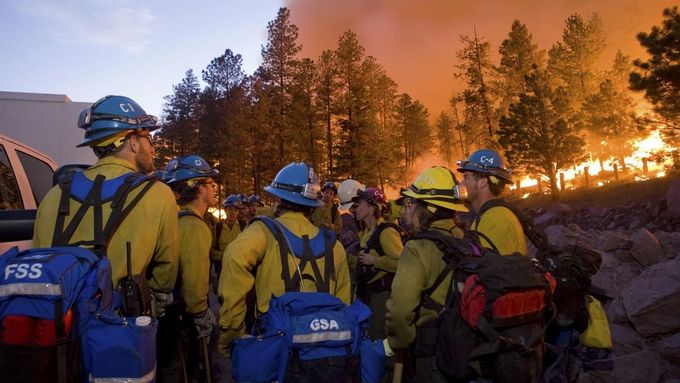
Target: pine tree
x: 327, y: 94
x: 608, y: 114
x: 445, y: 137
x: 181, y: 113
x: 538, y: 133
x: 519, y: 55
x: 278, y: 69
x: 475, y: 67
x: 658, y: 76
x: 573, y: 61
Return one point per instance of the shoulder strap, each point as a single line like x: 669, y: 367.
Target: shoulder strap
x: 292, y: 282
x: 373, y: 241
x: 453, y: 253
x: 187, y: 212
x: 536, y: 236
x: 102, y: 232
x: 334, y: 212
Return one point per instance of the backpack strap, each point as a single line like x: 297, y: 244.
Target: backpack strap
x: 334, y: 212
x: 98, y: 194
x: 537, y: 238
x: 292, y: 282
x: 187, y: 212
x: 373, y: 241
x: 451, y: 255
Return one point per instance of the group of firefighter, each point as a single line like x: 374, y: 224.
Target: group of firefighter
x: 178, y: 245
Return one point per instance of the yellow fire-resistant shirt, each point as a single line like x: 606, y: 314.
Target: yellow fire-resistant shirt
x: 194, y: 260
x: 227, y: 234
x: 256, y: 246
x: 390, y: 242
x: 151, y: 228
x: 324, y: 215
x: 419, y: 266
x: 503, y: 229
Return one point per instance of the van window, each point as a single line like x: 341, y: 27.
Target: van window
x: 10, y: 196
x: 39, y: 175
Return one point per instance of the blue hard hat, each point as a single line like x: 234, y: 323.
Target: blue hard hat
x: 187, y: 167
x: 234, y: 200
x: 254, y: 198
x: 486, y: 161
x: 111, y: 116
x: 296, y: 183
x: 330, y: 185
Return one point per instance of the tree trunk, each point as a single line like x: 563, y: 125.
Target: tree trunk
x: 554, y: 191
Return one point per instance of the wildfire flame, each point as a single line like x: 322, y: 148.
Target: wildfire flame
x: 639, y: 160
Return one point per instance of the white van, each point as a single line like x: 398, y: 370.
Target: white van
x: 25, y: 178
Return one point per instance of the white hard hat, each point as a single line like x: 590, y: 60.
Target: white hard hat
x: 348, y: 190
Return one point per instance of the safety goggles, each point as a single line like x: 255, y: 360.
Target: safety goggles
x: 88, y: 117
x: 198, y: 167
x: 308, y: 190
x: 457, y: 192
x: 467, y: 165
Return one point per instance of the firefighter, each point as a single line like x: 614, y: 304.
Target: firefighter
x: 297, y: 187
x: 328, y: 215
x: 430, y: 203
x: 485, y: 177
x: 119, y: 132
x: 192, y: 179
x: 381, y: 245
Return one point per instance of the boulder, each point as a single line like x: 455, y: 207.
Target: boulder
x: 544, y: 219
x: 616, y: 312
x: 651, y: 300
x: 646, y: 248
x: 561, y: 209
x: 670, y: 243
x: 560, y: 236
x: 644, y: 366
x: 614, y: 240
x: 614, y: 274
x: 669, y: 348
x: 673, y: 199
x: 625, y: 340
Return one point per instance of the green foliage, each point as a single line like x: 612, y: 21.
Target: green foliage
x: 539, y: 134
x: 573, y: 61
x: 659, y: 77
x: 519, y: 55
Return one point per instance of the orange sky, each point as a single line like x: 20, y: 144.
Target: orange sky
x: 416, y: 41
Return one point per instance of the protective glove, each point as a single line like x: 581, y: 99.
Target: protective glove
x: 388, y: 349
x: 204, y: 323
x: 161, y: 301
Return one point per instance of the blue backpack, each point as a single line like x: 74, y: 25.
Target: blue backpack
x: 57, y: 305
x: 308, y: 337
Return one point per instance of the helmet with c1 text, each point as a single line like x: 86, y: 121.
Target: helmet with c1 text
x: 111, y: 119
x: 188, y: 167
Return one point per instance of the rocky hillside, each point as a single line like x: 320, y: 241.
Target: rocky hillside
x: 636, y: 228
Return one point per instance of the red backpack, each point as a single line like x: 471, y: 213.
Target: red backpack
x: 492, y: 322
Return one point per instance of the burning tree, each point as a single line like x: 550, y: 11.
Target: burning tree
x: 539, y: 133
x: 658, y: 77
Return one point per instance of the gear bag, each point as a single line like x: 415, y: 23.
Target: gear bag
x: 491, y: 324
x: 57, y: 305
x: 572, y: 266
x: 306, y: 336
